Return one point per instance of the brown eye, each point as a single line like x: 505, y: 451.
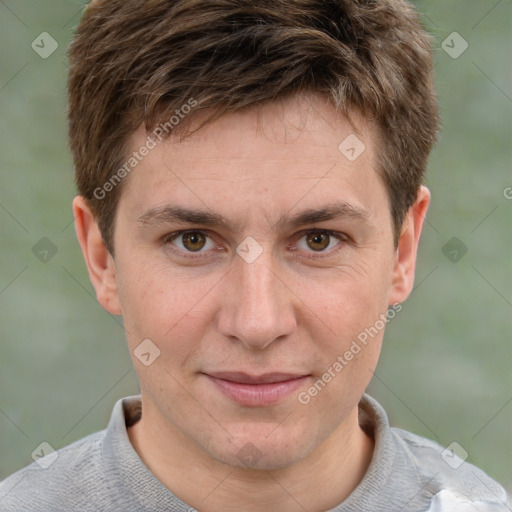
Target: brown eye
x: 191, y: 244
x: 318, y: 241
x: 193, y: 240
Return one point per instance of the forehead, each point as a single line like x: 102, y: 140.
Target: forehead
x: 261, y: 159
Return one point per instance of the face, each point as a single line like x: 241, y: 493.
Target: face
x: 253, y: 254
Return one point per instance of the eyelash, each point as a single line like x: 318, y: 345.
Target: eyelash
x: 341, y: 237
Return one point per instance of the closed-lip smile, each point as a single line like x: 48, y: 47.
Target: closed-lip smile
x: 256, y: 390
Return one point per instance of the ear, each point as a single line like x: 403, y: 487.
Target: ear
x: 406, y: 252
x: 99, y: 261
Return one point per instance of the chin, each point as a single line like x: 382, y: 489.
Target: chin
x: 252, y: 458
x: 263, y: 448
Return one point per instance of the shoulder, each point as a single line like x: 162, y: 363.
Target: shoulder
x: 61, y: 480
x: 454, y: 483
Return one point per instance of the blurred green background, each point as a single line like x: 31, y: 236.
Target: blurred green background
x: 445, y: 371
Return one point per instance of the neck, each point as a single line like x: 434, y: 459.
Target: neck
x: 319, y: 482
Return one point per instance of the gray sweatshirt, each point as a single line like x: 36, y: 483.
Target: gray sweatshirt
x: 102, y: 472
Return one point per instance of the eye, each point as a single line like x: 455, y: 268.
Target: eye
x: 190, y: 241
x: 319, y: 241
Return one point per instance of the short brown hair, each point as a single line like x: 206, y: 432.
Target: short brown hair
x: 136, y: 62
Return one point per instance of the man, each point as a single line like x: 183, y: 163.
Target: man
x: 251, y: 202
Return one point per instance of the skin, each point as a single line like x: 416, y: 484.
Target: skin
x: 294, y: 309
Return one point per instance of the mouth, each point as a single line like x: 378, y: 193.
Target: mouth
x: 256, y: 390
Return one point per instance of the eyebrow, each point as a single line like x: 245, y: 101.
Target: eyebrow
x: 170, y: 214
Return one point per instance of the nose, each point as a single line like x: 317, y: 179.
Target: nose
x: 257, y: 304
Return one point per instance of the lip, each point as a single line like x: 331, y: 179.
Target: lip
x: 256, y: 391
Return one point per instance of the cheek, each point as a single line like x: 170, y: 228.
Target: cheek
x: 348, y: 300
x: 161, y: 305
x: 346, y: 322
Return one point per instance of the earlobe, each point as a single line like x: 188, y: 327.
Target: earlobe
x: 406, y: 252
x: 99, y: 261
